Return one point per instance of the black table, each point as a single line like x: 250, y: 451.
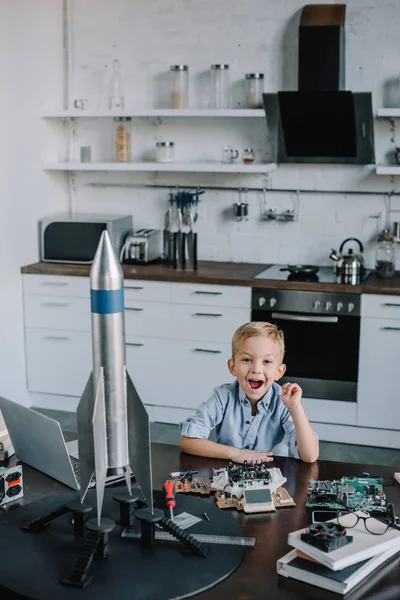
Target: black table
x: 256, y: 577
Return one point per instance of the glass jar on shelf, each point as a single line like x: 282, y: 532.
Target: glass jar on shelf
x: 165, y: 152
x: 116, y: 88
x: 179, y: 86
x: 255, y: 89
x: 385, y: 262
x: 219, y: 86
x: 122, y: 142
x: 248, y: 156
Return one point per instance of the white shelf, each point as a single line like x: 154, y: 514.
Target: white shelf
x: 388, y: 170
x: 388, y: 112
x: 156, y: 112
x: 194, y: 167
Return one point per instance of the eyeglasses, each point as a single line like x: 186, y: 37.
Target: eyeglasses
x: 349, y: 519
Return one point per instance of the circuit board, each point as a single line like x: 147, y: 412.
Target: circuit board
x: 197, y: 485
x: 357, y: 493
x: 281, y: 498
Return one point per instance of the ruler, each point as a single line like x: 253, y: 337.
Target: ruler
x: 200, y: 537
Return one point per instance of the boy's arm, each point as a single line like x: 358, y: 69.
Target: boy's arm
x: 307, y: 441
x: 210, y: 449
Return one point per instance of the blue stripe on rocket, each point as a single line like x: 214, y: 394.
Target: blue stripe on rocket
x: 106, y: 302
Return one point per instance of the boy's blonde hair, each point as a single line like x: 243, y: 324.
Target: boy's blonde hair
x: 257, y: 329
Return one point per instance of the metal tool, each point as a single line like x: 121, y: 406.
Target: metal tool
x: 206, y: 538
x: 169, y: 489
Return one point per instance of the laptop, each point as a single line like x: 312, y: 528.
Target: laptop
x: 38, y: 441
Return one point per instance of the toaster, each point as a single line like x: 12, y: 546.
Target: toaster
x: 142, y: 246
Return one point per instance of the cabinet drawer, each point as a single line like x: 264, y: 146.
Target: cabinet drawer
x: 56, y: 285
x: 380, y: 306
x: 208, y: 323
x: 211, y: 295
x: 154, y: 291
x: 58, y: 362
x: 147, y: 318
x: 49, y: 312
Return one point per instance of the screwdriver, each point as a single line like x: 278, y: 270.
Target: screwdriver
x: 169, y: 489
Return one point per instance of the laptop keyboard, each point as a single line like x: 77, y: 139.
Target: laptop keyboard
x: 76, y: 467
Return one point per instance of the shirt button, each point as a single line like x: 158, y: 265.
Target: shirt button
x: 247, y: 447
x: 247, y: 422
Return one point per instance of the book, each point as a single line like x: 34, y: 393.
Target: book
x: 364, y: 545
x: 341, y: 582
x: 7, y: 452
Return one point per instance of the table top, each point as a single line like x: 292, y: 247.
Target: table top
x: 256, y: 577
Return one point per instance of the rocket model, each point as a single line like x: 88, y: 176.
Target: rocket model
x: 113, y: 425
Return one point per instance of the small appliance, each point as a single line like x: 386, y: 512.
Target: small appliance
x: 74, y: 239
x: 349, y: 267
x: 141, y: 246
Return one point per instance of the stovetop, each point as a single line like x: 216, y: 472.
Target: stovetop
x: 324, y: 275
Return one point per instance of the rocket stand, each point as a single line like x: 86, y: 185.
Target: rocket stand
x: 147, y: 524
x: 127, y: 504
x: 78, y: 510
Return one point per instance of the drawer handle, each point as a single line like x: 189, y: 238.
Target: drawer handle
x: 135, y: 309
x: 208, y: 351
x: 209, y: 293
x: 133, y: 344
x: 60, y: 304
x: 208, y: 315
x: 390, y: 304
x: 59, y: 338
x: 55, y: 283
x: 390, y: 328
x: 134, y: 287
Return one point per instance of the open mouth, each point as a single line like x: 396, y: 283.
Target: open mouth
x: 255, y: 384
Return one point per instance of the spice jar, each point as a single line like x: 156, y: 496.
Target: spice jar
x: 179, y: 86
x: 123, y: 139
x: 165, y: 152
x: 385, y: 262
x: 219, y: 86
x: 255, y: 89
x: 248, y: 156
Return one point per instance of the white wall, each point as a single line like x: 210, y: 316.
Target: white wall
x: 30, y: 73
x: 148, y: 36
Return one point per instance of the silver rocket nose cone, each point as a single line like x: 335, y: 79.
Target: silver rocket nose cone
x: 106, y: 272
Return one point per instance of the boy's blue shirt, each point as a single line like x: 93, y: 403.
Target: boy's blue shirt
x: 228, y: 411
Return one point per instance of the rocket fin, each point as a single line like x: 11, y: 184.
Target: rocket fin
x: 139, y: 442
x: 100, y: 444
x: 84, y: 413
x: 128, y: 473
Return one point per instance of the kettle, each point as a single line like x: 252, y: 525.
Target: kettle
x: 349, y: 267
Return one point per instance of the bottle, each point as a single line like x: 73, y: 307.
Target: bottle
x: 385, y: 262
x: 255, y: 88
x: 248, y: 156
x: 165, y: 152
x: 179, y: 86
x: 220, y: 86
x: 116, y: 88
x: 122, y: 139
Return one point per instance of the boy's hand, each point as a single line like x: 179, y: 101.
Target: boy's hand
x: 291, y: 395
x: 239, y: 456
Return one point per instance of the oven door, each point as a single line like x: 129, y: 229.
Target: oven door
x: 321, y: 352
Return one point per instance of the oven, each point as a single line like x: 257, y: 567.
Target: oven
x: 322, y: 333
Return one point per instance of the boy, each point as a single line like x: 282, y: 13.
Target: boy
x: 253, y: 414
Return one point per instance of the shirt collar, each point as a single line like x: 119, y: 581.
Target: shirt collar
x: 265, y: 400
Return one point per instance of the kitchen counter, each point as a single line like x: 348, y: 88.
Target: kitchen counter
x: 222, y: 273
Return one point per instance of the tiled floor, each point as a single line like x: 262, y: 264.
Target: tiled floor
x: 169, y: 434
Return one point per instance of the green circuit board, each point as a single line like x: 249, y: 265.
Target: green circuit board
x: 357, y: 493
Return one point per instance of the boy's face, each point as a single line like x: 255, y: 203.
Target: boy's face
x: 257, y: 364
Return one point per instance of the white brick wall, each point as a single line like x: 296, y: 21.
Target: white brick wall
x: 257, y: 35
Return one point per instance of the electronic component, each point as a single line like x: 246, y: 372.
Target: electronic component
x: 188, y: 484
x: 326, y: 536
x: 10, y: 484
x: 257, y: 501
x: 357, y: 493
x: 280, y: 499
x: 235, y: 479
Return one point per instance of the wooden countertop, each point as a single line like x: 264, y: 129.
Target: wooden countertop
x: 222, y: 273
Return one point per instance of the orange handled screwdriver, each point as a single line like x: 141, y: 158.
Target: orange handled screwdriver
x: 169, y: 489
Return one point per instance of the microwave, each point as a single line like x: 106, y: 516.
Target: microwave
x: 74, y: 239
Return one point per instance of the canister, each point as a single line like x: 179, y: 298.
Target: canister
x: 255, y: 89
x: 179, y: 86
x: 219, y: 86
x: 165, y: 152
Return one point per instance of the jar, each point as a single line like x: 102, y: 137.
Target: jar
x: 123, y: 139
x: 255, y: 89
x: 165, y: 152
x: 179, y: 86
x: 385, y: 262
x: 219, y: 86
x: 248, y: 156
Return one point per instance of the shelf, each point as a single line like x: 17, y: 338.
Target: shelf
x: 388, y: 170
x: 194, y: 167
x: 388, y: 112
x: 156, y: 112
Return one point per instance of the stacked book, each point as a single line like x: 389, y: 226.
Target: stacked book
x: 344, y: 568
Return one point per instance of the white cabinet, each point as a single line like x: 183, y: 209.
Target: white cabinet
x: 177, y: 339
x: 378, y: 397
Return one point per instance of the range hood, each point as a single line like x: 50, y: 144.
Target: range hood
x: 321, y: 122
